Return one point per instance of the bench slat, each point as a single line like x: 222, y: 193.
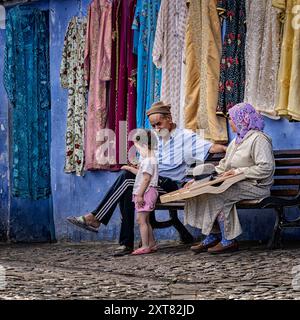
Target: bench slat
x: 278, y: 154
x: 287, y: 153
x: 284, y: 193
x: 286, y: 182
x: 287, y: 162
x: 287, y: 171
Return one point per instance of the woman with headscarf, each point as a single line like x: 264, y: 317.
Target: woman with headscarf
x: 250, y: 153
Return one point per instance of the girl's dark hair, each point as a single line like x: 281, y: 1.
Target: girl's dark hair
x: 146, y: 137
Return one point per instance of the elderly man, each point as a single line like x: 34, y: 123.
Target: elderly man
x: 177, y: 149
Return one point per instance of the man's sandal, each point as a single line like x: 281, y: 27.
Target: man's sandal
x: 81, y: 222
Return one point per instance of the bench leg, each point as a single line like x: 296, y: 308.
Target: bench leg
x: 185, y: 236
x: 276, y: 239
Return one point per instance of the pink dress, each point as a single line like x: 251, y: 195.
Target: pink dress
x: 97, y: 64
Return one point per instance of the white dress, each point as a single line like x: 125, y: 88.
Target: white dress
x: 168, y: 52
x: 262, y: 54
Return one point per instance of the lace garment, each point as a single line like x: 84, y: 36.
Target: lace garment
x: 262, y: 55
x: 168, y: 50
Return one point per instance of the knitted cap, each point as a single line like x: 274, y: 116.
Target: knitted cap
x: 159, y: 107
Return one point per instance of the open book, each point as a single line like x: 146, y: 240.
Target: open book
x: 218, y: 185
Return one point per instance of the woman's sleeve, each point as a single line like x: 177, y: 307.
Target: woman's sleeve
x: 262, y: 154
x: 221, y: 167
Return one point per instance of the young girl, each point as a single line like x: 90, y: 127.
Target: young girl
x: 144, y: 191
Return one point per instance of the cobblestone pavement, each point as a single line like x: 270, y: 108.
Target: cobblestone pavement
x: 89, y: 271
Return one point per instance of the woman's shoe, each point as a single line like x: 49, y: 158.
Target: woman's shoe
x: 219, y: 248
x: 201, y: 247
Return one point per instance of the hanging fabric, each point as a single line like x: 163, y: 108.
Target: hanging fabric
x: 26, y: 80
x: 288, y: 98
x: 132, y: 75
x: 232, y: 77
x: 124, y: 79
x: 72, y: 78
x: 262, y: 56
x: 126, y: 96
x: 97, y: 63
x: 168, y: 50
x: 203, y: 54
x: 113, y: 88
x: 148, y: 76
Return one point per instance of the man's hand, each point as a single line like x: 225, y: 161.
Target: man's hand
x: 140, y: 201
x: 217, y: 148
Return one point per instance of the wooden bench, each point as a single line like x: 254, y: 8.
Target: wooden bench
x: 285, y: 193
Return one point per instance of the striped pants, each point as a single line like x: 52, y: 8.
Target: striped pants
x: 121, y: 193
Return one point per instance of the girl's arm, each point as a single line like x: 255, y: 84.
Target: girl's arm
x: 130, y: 169
x: 143, y: 188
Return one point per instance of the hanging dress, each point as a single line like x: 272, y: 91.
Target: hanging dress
x: 262, y: 55
x: 168, y: 50
x: 127, y: 72
x: 148, y: 76
x: 203, y: 54
x: 288, y: 96
x: 97, y: 64
x: 72, y: 78
x: 27, y: 83
x: 232, y: 77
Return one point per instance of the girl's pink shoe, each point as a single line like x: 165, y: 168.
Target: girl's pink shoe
x: 154, y: 248
x: 141, y: 251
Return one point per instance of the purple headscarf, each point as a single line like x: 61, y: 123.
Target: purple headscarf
x: 245, y: 118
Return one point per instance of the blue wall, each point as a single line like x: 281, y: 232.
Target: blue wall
x: 71, y: 195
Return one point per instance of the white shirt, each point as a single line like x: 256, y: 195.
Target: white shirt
x: 147, y: 165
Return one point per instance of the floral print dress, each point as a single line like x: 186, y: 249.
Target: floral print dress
x: 72, y: 77
x: 232, y: 78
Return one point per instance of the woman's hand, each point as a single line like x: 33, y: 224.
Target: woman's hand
x: 188, y: 184
x: 140, y: 201
x: 231, y: 172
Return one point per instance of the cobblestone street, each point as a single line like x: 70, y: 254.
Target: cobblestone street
x: 89, y: 271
